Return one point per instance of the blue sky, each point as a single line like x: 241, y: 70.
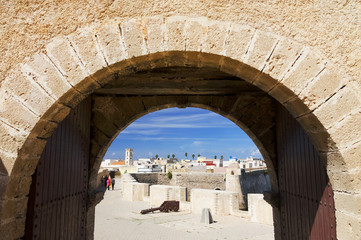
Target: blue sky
x: 176, y: 131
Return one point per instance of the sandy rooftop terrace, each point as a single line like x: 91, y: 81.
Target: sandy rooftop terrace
x: 119, y: 219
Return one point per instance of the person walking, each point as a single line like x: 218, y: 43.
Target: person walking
x: 113, y: 183
x: 108, y: 183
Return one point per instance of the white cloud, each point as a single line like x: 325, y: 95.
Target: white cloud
x: 255, y: 153
x: 113, y: 153
x: 147, y: 132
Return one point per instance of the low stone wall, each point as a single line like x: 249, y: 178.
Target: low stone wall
x: 254, y: 182
x: 188, y: 180
x: 259, y: 210
x: 161, y: 193
x: 134, y: 191
x: 152, y: 178
x: 220, y: 203
x: 199, y: 180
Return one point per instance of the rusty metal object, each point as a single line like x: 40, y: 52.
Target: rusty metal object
x: 166, y: 206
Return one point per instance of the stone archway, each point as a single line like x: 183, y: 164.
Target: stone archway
x: 44, y: 89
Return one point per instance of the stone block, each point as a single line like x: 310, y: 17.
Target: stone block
x: 133, y: 38
x: 348, y: 225
x: 22, y: 119
x: 134, y: 191
x: 176, y: 40
x: 72, y: 98
x: 346, y: 202
x: 259, y: 209
x: 104, y: 125
x: 42, y: 70
x: 161, y: 193
x: 281, y: 93
x: 26, y: 90
x: 85, y: 44
x: 307, y: 67
x: 345, y: 181
x: 260, y: 49
x: 296, y: 107
x: 194, y: 34
x: 150, y: 103
x: 216, y: 34
x: 13, y: 229
x: 111, y: 42
x: 155, y: 34
x: 221, y: 203
x: 327, y: 83
x: 344, y: 102
x: 4, y: 180
x: 11, y: 139
x: 56, y: 113
x: 14, y: 208
x: 351, y: 156
x: 282, y: 58
x: 33, y: 147
x: 67, y: 62
x: 238, y: 41
x: 18, y: 186
x: 348, y: 131
x: 136, y: 104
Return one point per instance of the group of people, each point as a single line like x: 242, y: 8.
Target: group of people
x: 108, y: 182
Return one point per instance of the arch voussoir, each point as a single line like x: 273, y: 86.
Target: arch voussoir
x: 277, y: 65
x: 87, y: 49
x: 308, y: 65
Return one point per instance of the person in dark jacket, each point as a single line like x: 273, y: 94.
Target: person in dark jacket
x: 105, y: 180
x: 113, y: 183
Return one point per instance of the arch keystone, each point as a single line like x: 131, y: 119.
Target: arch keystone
x: 133, y: 38
x: 155, y: 34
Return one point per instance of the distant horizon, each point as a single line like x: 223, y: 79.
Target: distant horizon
x: 177, y: 131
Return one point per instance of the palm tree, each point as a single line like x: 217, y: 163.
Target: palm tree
x: 199, y: 155
x: 173, y: 155
x: 215, y: 156
x: 193, y: 156
x: 168, y: 156
x: 156, y: 156
x: 222, y: 157
x: 186, y: 154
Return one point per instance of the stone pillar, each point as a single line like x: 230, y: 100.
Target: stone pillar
x: 233, y: 184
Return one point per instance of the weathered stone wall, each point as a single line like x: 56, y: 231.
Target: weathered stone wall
x: 254, y: 182
x: 28, y: 27
x: 152, y: 178
x: 199, y: 180
x: 188, y: 180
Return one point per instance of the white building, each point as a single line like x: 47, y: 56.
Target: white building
x: 252, y: 163
x: 149, y: 168
x: 107, y: 162
x: 128, y: 156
